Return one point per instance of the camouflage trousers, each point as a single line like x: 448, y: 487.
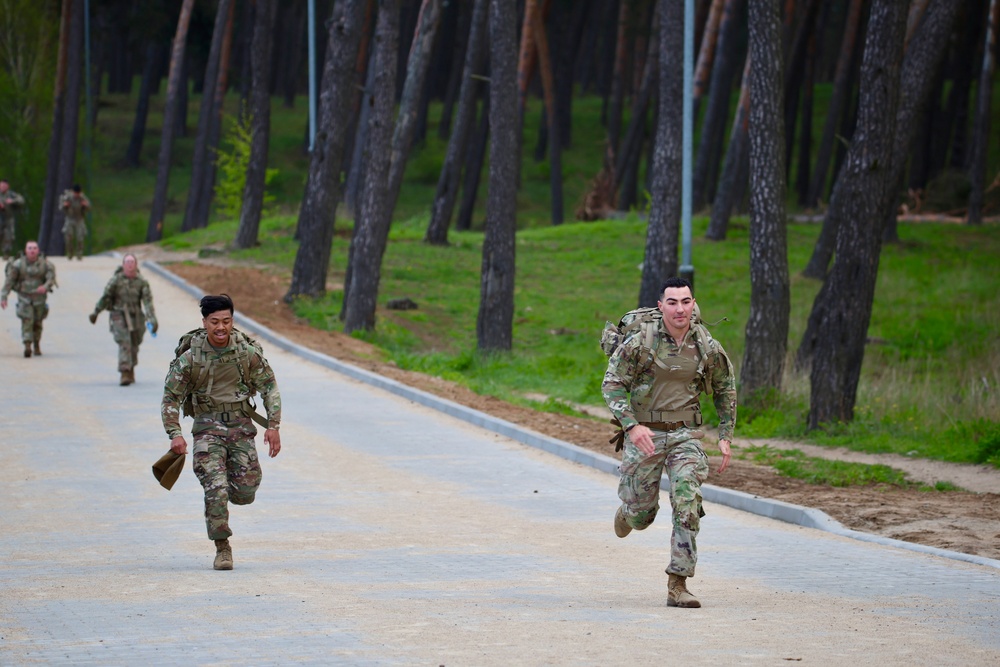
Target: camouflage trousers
x: 74, y: 232
x: 679, y: 454
x: 226, y: 464
x: 128, y: 341
x: 7, y: 235
x: 31, y: 314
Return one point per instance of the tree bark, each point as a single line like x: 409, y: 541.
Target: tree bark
x: 842, y: 84
x: 552, y: 114
x: 154, y: 231
x: 861, y: 198
x: 806, y: 132
x: 413, y: 91
x: 199, y: 162
x: 49, y: 203
x: 767, y: 326
x: 795, y: 73
x: 375, y: 214
x: 618, y: 78
x: 713, y: 126
x: 495, y: 320
x: 448, y: 182
x: 706, y: 54
x: 474, y: 166
x: 726, y: 197
x: 150, y: 79
x: 981, y: 133
x: 356, y: 169
x: 319, y: 203
x: 662, y: 232
x: 259, y: 108
x: 457, y: 61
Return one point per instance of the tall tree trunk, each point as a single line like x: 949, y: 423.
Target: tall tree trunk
x: 618, y: 78
x: 474, y: 166
x: 795, y: 73
x: 375, y: 214
x: 662, y: 232
x: 495, y: 320
x: 966, y: 71
x: 55, y: 139
x: 713, y: 126
x: 186, y: 83
x: 413, y: 91
x: 861, y: 198
x: 457, y: 61
x: 981, y: 133
x: 150, y: 79
x: 730, y: 190
x: 767, y: 325
x: 838, y: 102
x: 259, y: 109
x: 706, y: 54
x: 552, y: 114
x: 154, y: 231
x: 923, y: 57
x: 448, y: 182
x: 806, y: 131
x: 319, y: 203
x: 527, y: 55
x: 71, y: 122
x: 356, y: 171
x: 199, y: 163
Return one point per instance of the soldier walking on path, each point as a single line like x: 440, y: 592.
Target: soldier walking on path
x: 653, y: 386
x: 75, y: 204
x: 32, y: 277
x: 217, y: 371
x: 125, y: 296
x: 10, y: 204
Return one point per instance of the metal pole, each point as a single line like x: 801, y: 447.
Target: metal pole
x: 312, y: 73
x: 687, y: 268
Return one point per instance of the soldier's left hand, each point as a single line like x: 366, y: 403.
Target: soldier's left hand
x: 273, y: 439
x: 726, y: 455
x: 42, y: 289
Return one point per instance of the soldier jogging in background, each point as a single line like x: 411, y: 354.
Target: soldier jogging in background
x: 10, y: 204
x: 32, y: 277
x: 75, y: 205
x: 217, y: 371
x: 653, y: 387
x: 125, y: 296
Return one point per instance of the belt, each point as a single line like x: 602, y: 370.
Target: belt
x: 618, y: 439
x: 663, y: 426
x: 225, y: 417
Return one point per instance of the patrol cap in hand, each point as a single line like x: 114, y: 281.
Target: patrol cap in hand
x: 168, y: 469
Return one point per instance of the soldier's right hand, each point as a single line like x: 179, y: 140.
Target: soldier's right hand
x: 93, y: 318
x: 179, y: 445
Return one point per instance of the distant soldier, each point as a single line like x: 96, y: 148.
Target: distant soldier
x: 75, y: 204
x: 125, y: 296
x: 10, y: 204
x: 32, y: 277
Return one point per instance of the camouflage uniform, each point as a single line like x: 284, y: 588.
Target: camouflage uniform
x: 11, y: 202
x: 225, y: 458
x: 25, y: 277
x: 124, y: 298
x: 75, y: 205
x: 667, y: 390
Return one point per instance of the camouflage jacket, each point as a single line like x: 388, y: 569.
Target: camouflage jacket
x: 75, y: 205
x: 11, y: 201
x: 628, y: 381
x: 25, y: 277
x: 181, y: 382
x: 128, y: 296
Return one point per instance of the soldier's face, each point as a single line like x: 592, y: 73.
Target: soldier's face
x: 31, y: 251
x: 4, y: 186
x: 677, y: 304
x: 219, y: 325
x: 129, y: 267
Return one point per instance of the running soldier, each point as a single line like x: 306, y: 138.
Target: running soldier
x: 75, y: 205
x: 125, y: 296
x: 32, y: 277
x: 10, y: 204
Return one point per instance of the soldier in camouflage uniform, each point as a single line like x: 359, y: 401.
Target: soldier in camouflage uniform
x: 10, y: 203
x: 656, y: 399
x: 215, y: 377
x: 124, y: 297
x: 75, y: 205
x: 32, y: 277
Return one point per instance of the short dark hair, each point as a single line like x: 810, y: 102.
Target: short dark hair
x: 676, y: 281
x: 76, y: 187
x: 213, y: 303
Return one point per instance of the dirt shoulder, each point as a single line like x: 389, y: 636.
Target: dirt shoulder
x: 956, y: 520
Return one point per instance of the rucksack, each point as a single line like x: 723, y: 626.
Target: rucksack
x: 203, y: 372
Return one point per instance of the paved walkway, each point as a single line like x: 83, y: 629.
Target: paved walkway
x: 388, y: 533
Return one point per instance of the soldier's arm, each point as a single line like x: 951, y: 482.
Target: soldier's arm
x: 104, y: 303
x: 50, y: 276
x: 147, y: 301
x: 724, y: 392
x: 262, y: 378
x: 12, y: 275
x: 175, y: 387
x: 618, y: 382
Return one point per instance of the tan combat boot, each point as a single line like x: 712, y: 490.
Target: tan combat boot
x: 621, y: 525
x: 678, y: 594
x: 27, y: 350
x: 223, y: 555
x: 38, y: 349
x: 124, y: 381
